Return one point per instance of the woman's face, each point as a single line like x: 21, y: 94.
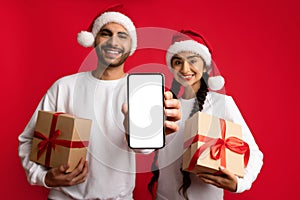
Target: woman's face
x: 188, y: 69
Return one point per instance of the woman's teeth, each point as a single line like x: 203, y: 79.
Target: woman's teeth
x: 186, y: 76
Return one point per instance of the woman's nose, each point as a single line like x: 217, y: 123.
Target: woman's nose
x: 185, y: 67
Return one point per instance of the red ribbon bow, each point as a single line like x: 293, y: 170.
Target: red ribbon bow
x: 47, y: 144
x: 217, y: 147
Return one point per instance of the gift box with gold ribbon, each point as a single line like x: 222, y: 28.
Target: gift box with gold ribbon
x: 211, y: 142
x: 60, y: 138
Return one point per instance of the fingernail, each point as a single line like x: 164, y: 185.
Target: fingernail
x: 168, y: 95
x: 222, y: 168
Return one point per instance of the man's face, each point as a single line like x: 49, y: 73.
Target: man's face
x: 112, y: 45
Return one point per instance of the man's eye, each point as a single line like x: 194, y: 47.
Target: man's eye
x: 123, y: 36
x: 104, y: 34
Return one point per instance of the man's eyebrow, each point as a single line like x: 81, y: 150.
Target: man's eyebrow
x: 109, y: 31
x: 193, y: 56
x: 176, y: 57
x: 105, y: 30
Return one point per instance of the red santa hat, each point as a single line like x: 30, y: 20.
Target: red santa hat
x: 112, y: 14
x: 191, y: 41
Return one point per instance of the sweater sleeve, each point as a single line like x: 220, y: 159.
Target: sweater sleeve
x: 256, y: 156
x: 35, y: 173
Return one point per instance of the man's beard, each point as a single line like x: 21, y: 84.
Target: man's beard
x: 120, y: 59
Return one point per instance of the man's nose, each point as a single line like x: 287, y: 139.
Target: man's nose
x: 114, y: 40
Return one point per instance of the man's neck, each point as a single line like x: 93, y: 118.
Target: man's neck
x: 109, y: 73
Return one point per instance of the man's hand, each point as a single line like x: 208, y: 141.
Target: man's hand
x: 57, y: 177
x: 172, y: 112
x: 222, y: 179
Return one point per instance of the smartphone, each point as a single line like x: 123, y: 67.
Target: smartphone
x: 145, y: 100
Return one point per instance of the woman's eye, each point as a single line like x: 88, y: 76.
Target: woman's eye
x: 192, y: 61
x: 177, y: 62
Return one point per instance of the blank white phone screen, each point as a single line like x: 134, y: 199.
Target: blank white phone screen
x: 146, y: 110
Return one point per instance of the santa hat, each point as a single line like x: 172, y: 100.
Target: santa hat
x: 87, y: 38
x: 191, y: 41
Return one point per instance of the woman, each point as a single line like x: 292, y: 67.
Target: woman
x: 190, y: 60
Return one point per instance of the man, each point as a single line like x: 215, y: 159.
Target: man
x: 109, y: 171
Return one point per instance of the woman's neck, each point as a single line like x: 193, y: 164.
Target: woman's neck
x: 190, y: 91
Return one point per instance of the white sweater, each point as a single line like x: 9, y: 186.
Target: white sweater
x: 111, y: 164
x: 170, y: 158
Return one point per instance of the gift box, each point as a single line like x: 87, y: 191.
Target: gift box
x: 60, y: 138
x: 211, y: 142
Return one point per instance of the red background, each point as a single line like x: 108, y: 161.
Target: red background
x: 255, y: 45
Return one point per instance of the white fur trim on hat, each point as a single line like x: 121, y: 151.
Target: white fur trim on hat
x: 85, y: 39
x: 190, y: 46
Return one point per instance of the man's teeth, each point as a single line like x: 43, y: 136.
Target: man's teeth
x: 113, y: 52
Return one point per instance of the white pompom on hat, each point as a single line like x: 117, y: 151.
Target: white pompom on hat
x: 87, y: 38
x: 191, y: 41
x: 215, y: 81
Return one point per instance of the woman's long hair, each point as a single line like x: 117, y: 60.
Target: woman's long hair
x: 152, y: 185
x: 198, y: 106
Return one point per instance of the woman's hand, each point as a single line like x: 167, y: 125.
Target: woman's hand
x: 222, y: 179
x: 57, y: 177
x: 172, y: 113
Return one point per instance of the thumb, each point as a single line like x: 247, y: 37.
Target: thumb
x: 124, y: 108
x: 168, y: 95
x: 225, y: 171
x: 64, y: 168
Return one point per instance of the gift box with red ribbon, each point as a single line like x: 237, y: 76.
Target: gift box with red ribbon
x: 60, y: 138
x: 211, y: 142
